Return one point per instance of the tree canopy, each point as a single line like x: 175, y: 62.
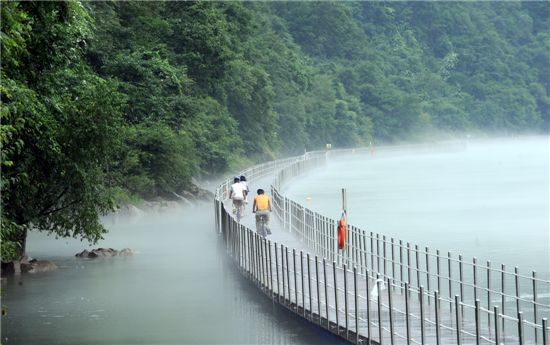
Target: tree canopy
x: 107, y: 101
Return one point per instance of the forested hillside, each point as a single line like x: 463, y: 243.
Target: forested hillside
x: 106, y: 102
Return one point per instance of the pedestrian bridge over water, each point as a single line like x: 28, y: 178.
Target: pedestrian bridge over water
x: 377, y: 290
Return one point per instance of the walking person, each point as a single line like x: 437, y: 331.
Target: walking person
x: 262, y: 208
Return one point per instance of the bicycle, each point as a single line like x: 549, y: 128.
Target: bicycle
x: 261, y: 225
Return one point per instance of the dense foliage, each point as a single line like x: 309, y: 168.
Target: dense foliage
x: 109, y: 100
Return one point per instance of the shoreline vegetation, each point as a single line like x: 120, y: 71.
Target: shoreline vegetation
x: 110, y: 103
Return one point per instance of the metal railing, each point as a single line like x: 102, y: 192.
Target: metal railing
x: 429, y: 298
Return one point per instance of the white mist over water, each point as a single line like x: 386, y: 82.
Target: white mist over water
x: 487, y: 199
x: 179, y: 288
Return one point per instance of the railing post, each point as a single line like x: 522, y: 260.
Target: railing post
x: 516, y: 276
x: 535, y: 315
x: 478, y: 322
x: 277, y: 272
x: 520, y: 329
x: 450, y: 281
x: 380, y: 329
x: 422, y: 316
x: 368, y: 307
x: 336, y: 297
x: 326, y: 292
x: 458, y: 321
x: 288, y: 276
x: 356, y: 304
x: 390, y: 312
x: 503, y: 294
x: 497, y: 325
x: 407, y: 311
x: 295, y: 278
x: 428, y: 272
x: 303, y: 289
x: 309, y: 287
x: 283, y: 273
x: 544, y: 331
x: 346, y: 299
x: 437, y: 318
x: 488, y: 293
x: 318, y: 288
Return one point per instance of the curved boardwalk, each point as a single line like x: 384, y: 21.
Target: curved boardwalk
x: 384, y: 293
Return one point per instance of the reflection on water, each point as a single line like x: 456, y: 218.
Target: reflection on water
x: 177, y: 289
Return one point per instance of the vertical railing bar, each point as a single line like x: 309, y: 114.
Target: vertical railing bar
x: 450, y: 274
x: 288, y: 276
x: 378, y: 252
x: 422, y: 316
x: 428, y: 272
x: 283, y: 272
x: 309, y: 287
x: 295, y: 279
x: 521, y: 336
x: 356, y: 304
x: 497, y: 325
x: 393, y: 260
x: 368, y: 307
x: 326, y: 292
x: 390, y: 312
x: 318, y: 288
x: 346, y: 299
x: 438, y: 266
x: 408, y: 263
x: 516, y: 276
x: 544, y: 331
x: 503, y: 294
x: 407, y: 311
x: 478, y: 322
x: 401, y: 264
x: 335, y: 297
x: 535, y: 314
x: 458, y: 321
x: 379, y: 299
x: 271, y: 270
x: 437, y: 318
x: 488, y: 293
x: 461, y: 277
x: 303, y: 288
x: 384, y: 253
x: 277, y: 272
x: 417, y: 258
x: 372, y: 250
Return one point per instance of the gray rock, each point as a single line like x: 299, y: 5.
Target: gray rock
x: 126, y: 252
x: 103, y: 253
x: 37, y: 266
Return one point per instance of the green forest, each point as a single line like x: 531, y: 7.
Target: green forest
x: 104, y: 103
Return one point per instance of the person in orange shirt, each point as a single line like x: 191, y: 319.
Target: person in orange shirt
x: 262, y: 208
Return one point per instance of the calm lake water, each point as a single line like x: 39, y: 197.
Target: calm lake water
x: 487, y: 198
x: 177, y: 289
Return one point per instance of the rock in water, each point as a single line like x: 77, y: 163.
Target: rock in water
x: 103, y: 253
x: 36, y: 266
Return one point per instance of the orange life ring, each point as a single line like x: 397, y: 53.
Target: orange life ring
x: 341, y: 233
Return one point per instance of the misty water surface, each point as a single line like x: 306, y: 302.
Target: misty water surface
x: 177, y: 289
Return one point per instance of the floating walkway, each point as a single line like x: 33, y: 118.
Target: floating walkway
x: 378, y: 290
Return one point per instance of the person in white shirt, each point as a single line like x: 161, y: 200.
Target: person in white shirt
x: 246, y: 190
x: 237, y: 194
